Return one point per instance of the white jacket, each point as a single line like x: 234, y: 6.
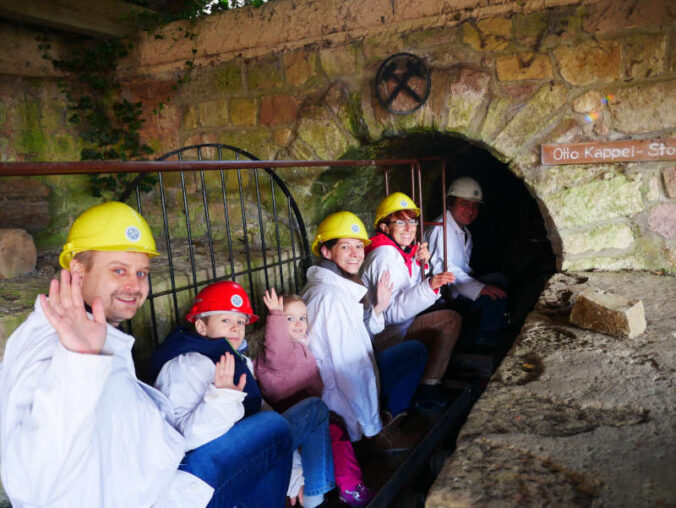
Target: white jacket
x: 410, y: 294
x: 342, y: 346
x: 79, y: 430
x: 204, y: 412
x: 458, y: 257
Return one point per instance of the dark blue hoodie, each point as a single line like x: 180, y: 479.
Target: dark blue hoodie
x: 181, y: 341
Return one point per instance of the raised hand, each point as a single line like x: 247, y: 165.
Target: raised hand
x: 423, y: 254
x: 438, y: 280
x: 383, y: 293
x: 225, y: 373
x: 271, y: 301
x: 299, y: 497
x: 65, y: 310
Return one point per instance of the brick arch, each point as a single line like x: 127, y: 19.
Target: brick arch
x: 463, y: 103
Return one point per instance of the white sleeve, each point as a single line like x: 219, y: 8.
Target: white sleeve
x: 465, y: 284
x: 297, y: 478
x: 345, y: 359
x: 48, y: 407
x: 202, y: 412
x: 407, y: 299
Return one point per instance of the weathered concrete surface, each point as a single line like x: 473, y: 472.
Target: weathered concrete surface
x: 573, y: 417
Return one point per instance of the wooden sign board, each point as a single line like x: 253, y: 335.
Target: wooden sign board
x: 604, y: 152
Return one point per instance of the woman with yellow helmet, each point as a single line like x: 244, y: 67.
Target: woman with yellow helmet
x: 342, y: 322
x: 393, y: 249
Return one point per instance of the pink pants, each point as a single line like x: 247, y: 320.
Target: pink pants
x: 345, y: 465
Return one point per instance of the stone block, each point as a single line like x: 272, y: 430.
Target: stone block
x: 17, y: 253
x: 228, y: 77
x: 588, y: 102
x: 190, y: 117
x: 264, y: 73
x: 243, y: 111
x: 614, y: 15
x: 528, y: 121
x: 609, y: 236
x: 608, y: 313
x: 24, y: 204
x: 524, y: 66
x: 662, y: 220
x: 597, y: 201
x: 644, y: 108
x: 282, y: 136
x: 669, y: 177
x: 338, y: 62
x: 278, y: 110
x: 300, y: 67
x: 591, y: 62
x: 488, y: 34
x: 213, y: 113
x: 467, y: 95
x: 644, y: 55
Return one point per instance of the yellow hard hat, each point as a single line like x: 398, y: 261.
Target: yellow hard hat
x: 339, y: 225
x: 395, y: 202
x: 110, y: 226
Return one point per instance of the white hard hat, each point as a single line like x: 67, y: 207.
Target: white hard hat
x: 466, y: 188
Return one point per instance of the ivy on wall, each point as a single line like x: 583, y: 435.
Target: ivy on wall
x: 106, y: 121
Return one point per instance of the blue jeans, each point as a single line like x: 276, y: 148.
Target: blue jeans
x: 400, y: 368
x: 248, y: 466
x: 492, y: 311
x: 309, y: 422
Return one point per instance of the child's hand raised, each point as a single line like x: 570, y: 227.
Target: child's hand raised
x: 272, y: 302
x: 225, y: 372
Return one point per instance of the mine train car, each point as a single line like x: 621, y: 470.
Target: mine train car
x: 218, y: 213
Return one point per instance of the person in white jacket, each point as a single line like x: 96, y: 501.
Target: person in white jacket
x: 77, y: 428
x: 393, y: 249
x: 487, y: 294
x: 188, y: 363
x: 341, y: 323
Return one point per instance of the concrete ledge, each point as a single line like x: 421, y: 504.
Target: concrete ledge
x: 573, y: 417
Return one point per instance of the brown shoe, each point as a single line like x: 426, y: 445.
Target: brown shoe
x: 391, y: 439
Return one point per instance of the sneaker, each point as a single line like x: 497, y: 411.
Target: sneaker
x: 391, y: 439
x: 359, y: 496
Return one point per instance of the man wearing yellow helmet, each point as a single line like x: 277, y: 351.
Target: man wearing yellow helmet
x: 78, y: 428
x: 341, y: 323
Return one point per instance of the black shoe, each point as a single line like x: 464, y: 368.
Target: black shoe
x: 432, y: 398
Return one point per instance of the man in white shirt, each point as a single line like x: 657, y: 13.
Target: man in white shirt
x: 77, y: 427
x: 485, y: 294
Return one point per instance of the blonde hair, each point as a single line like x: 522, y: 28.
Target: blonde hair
x: 291, y: 298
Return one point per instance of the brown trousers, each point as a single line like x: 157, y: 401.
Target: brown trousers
x: 439, y: 332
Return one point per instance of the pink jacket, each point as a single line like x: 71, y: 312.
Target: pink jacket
x: 287, y: 370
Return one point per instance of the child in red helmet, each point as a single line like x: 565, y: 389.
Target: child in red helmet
x: 287, y: 372
x: 207, y: 379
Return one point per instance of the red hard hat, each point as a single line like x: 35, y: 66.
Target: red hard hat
x: 224, y: 296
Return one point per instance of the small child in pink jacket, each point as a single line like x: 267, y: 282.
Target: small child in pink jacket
x: 287, y: 373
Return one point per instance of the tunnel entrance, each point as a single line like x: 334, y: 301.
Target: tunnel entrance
x: 509, y: 234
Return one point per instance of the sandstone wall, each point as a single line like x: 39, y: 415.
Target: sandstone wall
x: 295, y: 80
